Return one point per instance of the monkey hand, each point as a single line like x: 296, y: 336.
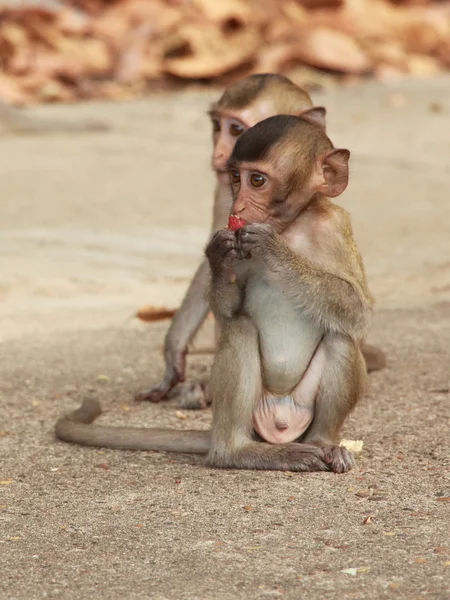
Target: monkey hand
x: 257, y: 240
x: 222, y: 251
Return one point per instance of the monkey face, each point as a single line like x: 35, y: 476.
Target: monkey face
x: 228, y: 126
x: 226, y: 130
x: 278, y: 165
x: 256, y: 193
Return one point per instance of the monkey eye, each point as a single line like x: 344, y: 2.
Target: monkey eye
x: 257, y: 180
x: 216, y: 125
x: 234, y: 176
x: 236, y: 129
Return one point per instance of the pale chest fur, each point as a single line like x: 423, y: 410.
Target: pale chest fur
x: 288, y: 338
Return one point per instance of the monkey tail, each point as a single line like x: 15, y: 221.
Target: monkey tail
x: 76, y: 428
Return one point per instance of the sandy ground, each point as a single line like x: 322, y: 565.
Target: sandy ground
x: 94, y: 226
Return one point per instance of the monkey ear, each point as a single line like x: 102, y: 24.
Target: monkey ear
x: 334, y: 173
x: 315, y: 115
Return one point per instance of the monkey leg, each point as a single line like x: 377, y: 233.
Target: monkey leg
x: 280, y: 420
x: 193, y: 394
x: 374, y: 357
x: 184, y: 326
x: 340, y: 388
x: 236, y: 388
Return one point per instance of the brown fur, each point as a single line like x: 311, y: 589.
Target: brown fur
x: 311, y: 261
x: 248, y: 101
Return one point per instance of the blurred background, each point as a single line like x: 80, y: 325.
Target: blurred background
x: 54, y: 51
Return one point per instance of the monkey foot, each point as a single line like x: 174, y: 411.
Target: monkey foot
x: 193, y: 396
x: 338, y: 458
x: 155, y: 394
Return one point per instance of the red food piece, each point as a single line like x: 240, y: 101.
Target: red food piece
x: 235, y: 223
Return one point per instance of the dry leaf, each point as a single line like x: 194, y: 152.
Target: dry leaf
x: 15, y: 34
x: 112, y: 50
x: 331, y: 49
x: 422, y: 66
x: 209, y: 53
x: 273, y: 58
x: 152, y: 313
x: 93, y: 56
x: 134, y: 55
x: 72, y: 21
x: 53, y: 91
x: 225, y: 12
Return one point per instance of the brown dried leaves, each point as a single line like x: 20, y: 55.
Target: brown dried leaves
x: 97, y: 48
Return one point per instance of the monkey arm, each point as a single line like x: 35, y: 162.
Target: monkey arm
x: 225, y: 297
x: 336, y: 297
x: 189, y: 317
x: 184, y: 326
x: 338, y: 301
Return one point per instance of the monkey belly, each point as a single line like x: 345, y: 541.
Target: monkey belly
x: 280, y: 420
x: 288, y: 339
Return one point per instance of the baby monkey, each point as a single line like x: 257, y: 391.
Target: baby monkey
x: 289, y: 293
x: 241, y: 106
